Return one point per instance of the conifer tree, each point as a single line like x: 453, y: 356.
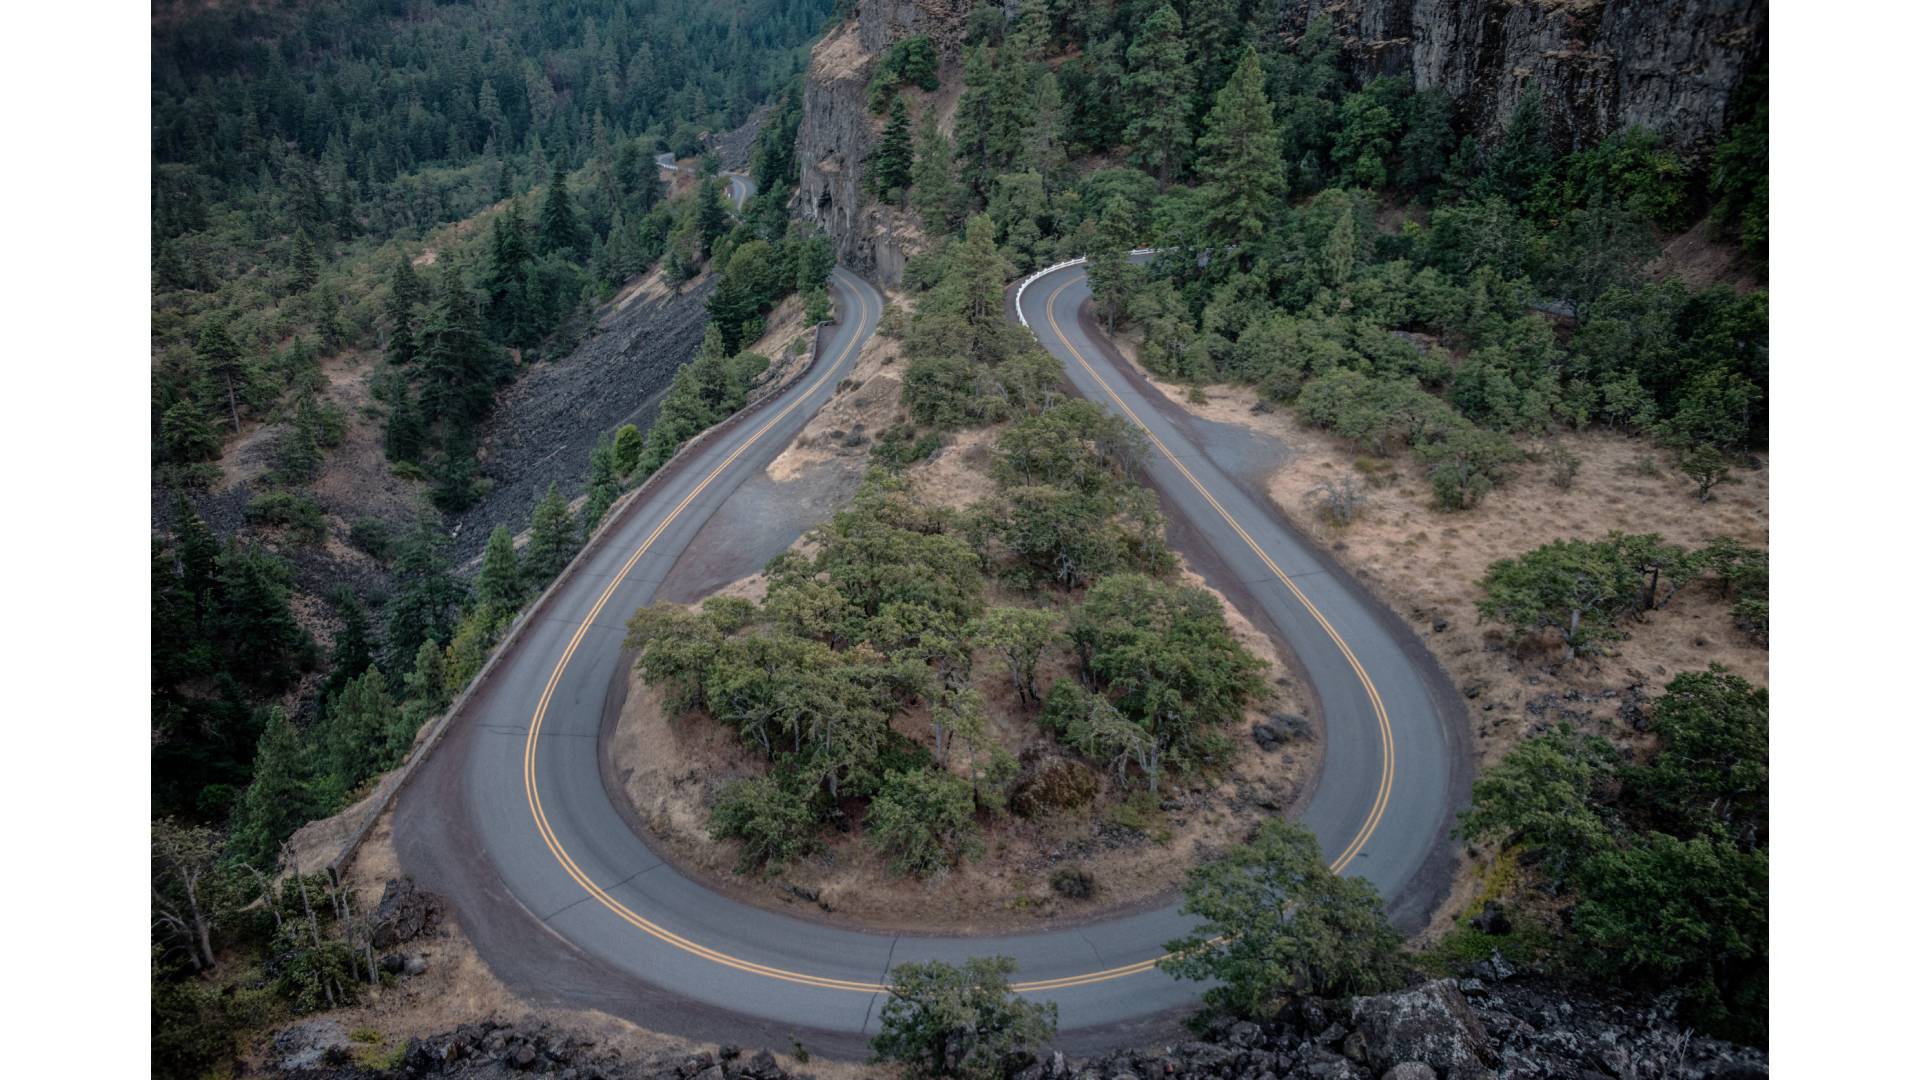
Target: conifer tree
x: 459, y: 366
x: 603, y: 484
x: 499, y: 586
x: 405, y: 294
x: 303, y: 265
x: 1111, y: 276
x: 426, y: 598
x: 504, y: 280
x: 1045, y: 148
x: 559, y: 233
x: 892, y: 168
x: 710, y: 212
x: 281, y: 797
x: 220, y: 359
x: 1159, y: 87
x: 552, y: 541
x: 973, y: 121
x: 936, y: 194
x: 1240, y: 161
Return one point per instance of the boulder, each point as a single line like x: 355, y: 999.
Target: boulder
x: 1492, y: 919
x: 1410, y: 1070
x: 310, y: 1044
x: 1431, y: 1024
x: 405, y: 912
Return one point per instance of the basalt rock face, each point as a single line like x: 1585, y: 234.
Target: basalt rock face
x: 1670, y: 66
x: 838, y: 132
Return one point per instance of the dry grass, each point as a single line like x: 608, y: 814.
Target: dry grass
x: 1425, y: 563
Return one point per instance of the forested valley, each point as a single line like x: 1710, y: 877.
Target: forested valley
x: 1436, y: 296
x: 444, y: 196
x: 432, y: 199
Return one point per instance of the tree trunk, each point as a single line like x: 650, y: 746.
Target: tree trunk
x: 233, y: 403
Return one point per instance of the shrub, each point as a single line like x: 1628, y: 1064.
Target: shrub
x: 293, y: 511
x: 771, y: 816
x: 1277, y: 921
x: 965, y: 1021
x: 1073, y: 882
x: 922, y: 821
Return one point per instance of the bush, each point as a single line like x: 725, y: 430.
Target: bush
x: 923, y: 822
x: 1073, y: 882
x: 771, y: 816
x: 372, y: 536
x: 965, y: 1021
x: 293, y: 511
x: 1277, y: 921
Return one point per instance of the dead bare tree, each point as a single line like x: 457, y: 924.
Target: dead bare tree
x: 185, y: 858
x: 1337, y: 500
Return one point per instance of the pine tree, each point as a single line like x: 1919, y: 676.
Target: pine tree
x: 353, y: 645
x: 1240, y: 161
x: 936, y: 194
x: 1111, y: 276
x: 499, y: 586
x: 281, y: 797
x: 459, y: 366
x: 406, y: 433
x: 303, y: 265
x: 504, y: 279
x: 710, y: 213
x: 892, y: 167
x: 553, y: 540
x: 1524, y: 156
x: 220, y: 359
x: 559, y: 233
x: 426, y: 598
x: 973, y: 121
x: 405, y: 294
x: 1045, y: 149
x: 1159, y: 86
x: 603, y: 484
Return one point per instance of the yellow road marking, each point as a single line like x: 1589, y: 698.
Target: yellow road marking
x: 1373, y: 695
x: 552, y: 840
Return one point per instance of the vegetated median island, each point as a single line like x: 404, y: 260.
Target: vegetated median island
x: 966, y: 719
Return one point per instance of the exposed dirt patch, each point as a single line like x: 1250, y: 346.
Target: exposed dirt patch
x: 956, y: 475
x: 1425, y: 563
x: 1136, y: 848
x: 1699, y: 258
x: 865, y: 403
x: 459, y: 988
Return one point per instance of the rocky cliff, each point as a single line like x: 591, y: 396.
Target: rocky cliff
x: 1600, y: 65
x: 838, y: 132
x: 1667, y: 65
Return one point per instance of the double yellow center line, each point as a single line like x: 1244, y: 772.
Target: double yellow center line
x: 1385, y: 790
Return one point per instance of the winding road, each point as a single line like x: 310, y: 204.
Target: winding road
x: 512, y: 820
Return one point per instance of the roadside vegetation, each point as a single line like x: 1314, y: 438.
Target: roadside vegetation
x: 434, y: 205
x: 857, y: 682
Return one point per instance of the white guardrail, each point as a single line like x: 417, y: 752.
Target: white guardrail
x: 1021, y: 293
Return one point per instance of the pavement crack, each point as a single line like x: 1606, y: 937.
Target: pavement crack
x: 868, y: 1019
x: 571, y: 904
x: 1101, y: 960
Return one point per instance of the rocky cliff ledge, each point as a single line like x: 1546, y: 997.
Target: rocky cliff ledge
x: 1671, y: 66
x: 838, y: 132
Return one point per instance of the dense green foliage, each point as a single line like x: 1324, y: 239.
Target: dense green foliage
x: 945, y: 1021
x: 885, y: 615
x: 309, y: 162
x: 1513, y: 305
x: 1581, y: 590
x: 1277, y: 922
x: 1666, y: 861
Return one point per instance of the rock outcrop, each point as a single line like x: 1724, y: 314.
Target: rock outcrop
x: 1446, y: 1029
x: 838, y: 132
x: 1670, y: 66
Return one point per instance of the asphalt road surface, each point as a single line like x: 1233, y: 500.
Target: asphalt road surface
x: 740, y: 186
x: 511, y: 817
